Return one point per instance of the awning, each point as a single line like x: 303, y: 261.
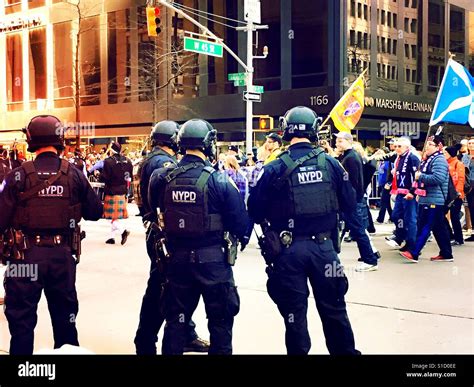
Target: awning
x: 8, y: 137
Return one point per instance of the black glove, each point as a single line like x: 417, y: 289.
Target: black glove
x: 244, y: 242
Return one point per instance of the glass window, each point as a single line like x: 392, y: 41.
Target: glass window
x: 268, y: 71
x: 436, y: 54
x: 353, y: 8
x: 457, y: 42
x: 310, y: 26
x: 148, y: 73
x: 395, y: 24
x: 14, y: 72
x: 37, y: 70
x: 218, y: 68
x: 359, y: 10
x: 12, y: 6
x: 471, y: 42
x: 366, y: 12
x: 35, y: 3
x: 90, y: 61
x: 118, y: 47
x: 63, y: 65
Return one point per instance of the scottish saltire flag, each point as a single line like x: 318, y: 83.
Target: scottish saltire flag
x: 455, y: 100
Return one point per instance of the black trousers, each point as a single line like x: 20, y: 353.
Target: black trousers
x: 455, y: 232
x: 151, y: 312
x: 52, y: 269
x: 288, y: 287
x: 205, y: 274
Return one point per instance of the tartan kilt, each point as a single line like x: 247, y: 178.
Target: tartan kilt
x: 115, y: 207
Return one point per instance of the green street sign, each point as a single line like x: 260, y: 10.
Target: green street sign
x: 239, y: 82
x: 203, y: 47
x: 236, y: 76
x: 258, y: 89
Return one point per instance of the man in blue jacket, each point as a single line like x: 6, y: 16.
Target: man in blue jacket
x: 432, y: 190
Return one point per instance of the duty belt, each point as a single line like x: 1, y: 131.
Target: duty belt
x: 287, y: 237
x: 47, y: 240
x: 198, y: 255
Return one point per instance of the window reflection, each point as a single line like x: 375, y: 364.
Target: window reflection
x: 37, y: 70
x: 63, y: 66
x: 14, y: 72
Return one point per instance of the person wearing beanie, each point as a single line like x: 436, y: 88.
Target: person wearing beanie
x: 431, y: 184
x: 458, y: 174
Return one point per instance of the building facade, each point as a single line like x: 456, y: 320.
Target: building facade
x: 127, y: 80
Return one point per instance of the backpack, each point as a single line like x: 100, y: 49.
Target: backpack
x: 452, y: 193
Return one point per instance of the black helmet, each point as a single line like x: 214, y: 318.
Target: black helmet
x: 300, y: 121
x: 165, y: 132
x: 44, y: 130
x: 198, y: 134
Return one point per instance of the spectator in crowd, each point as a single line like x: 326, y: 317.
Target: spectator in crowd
x: 468, y: 161
x: 404, y: 213
x: 432, y: 189
x: 232, y: 170
x: 357, y: 221
x: 385, y: 182
x: 369, y: 166
x: 457, y: 172
x: 273, y: 146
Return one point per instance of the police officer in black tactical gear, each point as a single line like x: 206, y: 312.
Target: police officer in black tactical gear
x: 164, y: 142
x: 297, y: 200
x: 202, y: 215
x: 42, y: 203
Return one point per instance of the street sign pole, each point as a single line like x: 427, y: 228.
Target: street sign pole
x: 249, y: 110
x: 252, y: 15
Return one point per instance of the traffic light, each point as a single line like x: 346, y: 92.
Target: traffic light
x: 153, y: 21
x: 265, y: 122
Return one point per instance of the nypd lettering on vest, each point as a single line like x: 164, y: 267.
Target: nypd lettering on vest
x: 183, y: 196
x: 309, y: 175
x: 52, y: 191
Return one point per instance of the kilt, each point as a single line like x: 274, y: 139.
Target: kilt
x: 115, y: 207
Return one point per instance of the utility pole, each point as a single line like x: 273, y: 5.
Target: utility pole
x: 250, y: 28
x: 252, y: 15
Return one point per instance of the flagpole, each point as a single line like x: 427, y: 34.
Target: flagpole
x: 347, y: 91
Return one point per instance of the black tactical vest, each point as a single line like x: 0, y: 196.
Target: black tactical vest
x: 117, y: 168
x: 50, y: 208
x: 186, y: 210
x: 304, y: 192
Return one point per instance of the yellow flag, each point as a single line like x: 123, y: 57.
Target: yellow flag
x: 347, y: 112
